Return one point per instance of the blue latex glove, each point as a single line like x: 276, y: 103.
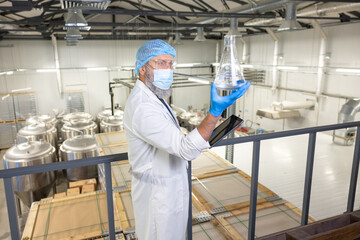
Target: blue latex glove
x: 219, y: 103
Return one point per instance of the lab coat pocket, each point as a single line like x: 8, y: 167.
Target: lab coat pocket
x: 169, y: 195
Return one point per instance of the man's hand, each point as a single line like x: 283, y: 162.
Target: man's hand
x: 219, y: 104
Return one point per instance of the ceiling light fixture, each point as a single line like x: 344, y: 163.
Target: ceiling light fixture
x: 234, y: 28
x: 200, y: 35
x: 290, y: 22
x: 73, y: 33
x: 85, y: 4
x: 177, y: 40
x: 75, y: 18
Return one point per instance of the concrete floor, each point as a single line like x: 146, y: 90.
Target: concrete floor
x: 282, y: 169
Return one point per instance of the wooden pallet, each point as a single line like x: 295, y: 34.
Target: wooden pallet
x: 82, y: 216
x: 110, y: 138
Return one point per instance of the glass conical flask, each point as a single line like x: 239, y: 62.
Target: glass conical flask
x: 229, y: 75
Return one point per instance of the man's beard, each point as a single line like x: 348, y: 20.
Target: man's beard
x: 160, y: 93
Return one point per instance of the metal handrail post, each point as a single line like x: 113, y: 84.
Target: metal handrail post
x: 308, y: 178
x: 354, y: 173
x: 189, y: 225
x: 10, y: 201
x: 109, y: 200
x: 254, y: 189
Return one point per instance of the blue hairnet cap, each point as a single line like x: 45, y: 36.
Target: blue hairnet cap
x: 152, y: 49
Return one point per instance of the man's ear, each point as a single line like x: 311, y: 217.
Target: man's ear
x: 142, y: 70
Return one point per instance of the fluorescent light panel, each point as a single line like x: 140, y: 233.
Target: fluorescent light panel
x: 287, y: 68
x: 46, y: 70
x: 97, y: 69
x: 347, y: 70
x: 21, y: 90
x: 198, y: 80
x: 7, y: 73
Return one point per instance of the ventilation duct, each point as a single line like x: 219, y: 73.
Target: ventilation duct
x: 170, y: 40
x: 347, y: 113
x: 71, y: 42
x: 349, y: 110
x: 200, y: 35
x: 94, y: 4
x: 290, y: 22
x: 73, y: 34
x: 234, y: 27
x: 75, y: 18
x: 177, y: 40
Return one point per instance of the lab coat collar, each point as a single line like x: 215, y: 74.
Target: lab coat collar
x: 153, y: 97
x: 147, y: 91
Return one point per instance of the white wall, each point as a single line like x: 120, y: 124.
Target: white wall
x: 301, y: 48
x: 75, y: 60
x: 298, y: 48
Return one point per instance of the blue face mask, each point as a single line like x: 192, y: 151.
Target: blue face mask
x: 163, y: 78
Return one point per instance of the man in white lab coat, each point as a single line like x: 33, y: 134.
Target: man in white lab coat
x: 158, y: 151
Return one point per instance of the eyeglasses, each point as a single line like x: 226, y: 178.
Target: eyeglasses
x: 163, y: 64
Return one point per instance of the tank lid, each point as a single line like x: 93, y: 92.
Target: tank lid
x: 187, y: 114
x: 35, y: 129
x: 196, y: 120
x: 46, y: 118
x: 107, y: 113
x: 77, y: 115
x: 112, y: 121
x: 79, y: 124
x: 31, y: 149
x: 79, y: 143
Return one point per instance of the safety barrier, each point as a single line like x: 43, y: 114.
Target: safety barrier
x: 256, y: 139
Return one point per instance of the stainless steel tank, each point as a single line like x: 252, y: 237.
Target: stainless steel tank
x: 195, y: 121
x: 38, y: 131
x: 107, y: 113
x: 78, y: 147
x: 76, y: 116
x: 111, y: 124
x: 184, y: 118
x: 30, y: 188
x: 45, y: 118
x: 77, y: 127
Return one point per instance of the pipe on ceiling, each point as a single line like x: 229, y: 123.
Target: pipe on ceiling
x: 57, y: 65
x: 275, y: 58
x: 322, y: 57
x: 245, y: 55
x: 264, y: 6
x: 316, y: 10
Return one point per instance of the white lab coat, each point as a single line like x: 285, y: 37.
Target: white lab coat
x: 158, y: 155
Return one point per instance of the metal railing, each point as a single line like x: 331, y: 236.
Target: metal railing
x: 256, y: 139
x: 7, y: 174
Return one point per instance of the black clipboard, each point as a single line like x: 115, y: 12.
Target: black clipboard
x: 224, y: 129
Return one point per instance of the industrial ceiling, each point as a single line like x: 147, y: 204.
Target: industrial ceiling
x: 149, y: 19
